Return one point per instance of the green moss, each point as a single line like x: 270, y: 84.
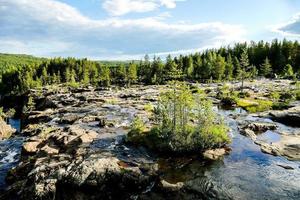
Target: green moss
x: 254, y: 106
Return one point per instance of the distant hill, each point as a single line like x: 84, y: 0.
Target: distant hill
x: 16, y: 60
x: 23, y: 59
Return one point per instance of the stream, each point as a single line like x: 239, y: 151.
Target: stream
x: 10, y: 151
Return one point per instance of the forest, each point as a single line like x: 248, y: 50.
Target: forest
x: 278, y: 59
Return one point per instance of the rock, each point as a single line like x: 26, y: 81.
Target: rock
x: 5, y: 130
x: 88, y: 137
x: 69, y: 119
x: 289, y: 117
x: 261, y: 126
x: 171, y: 186
x: 214, y: 154
x: 36, y: 117
x: 254, y: 128
x: 49, y: 150
x: 249, y: 133
x: 44, y: 103
x: 30, y: 147
x: 288, y: 146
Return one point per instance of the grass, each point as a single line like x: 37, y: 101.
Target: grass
x: 255, y: 105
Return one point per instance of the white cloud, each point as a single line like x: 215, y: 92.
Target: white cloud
x: 122, y: 7
x: 52, y: 28
x: 290, y: 28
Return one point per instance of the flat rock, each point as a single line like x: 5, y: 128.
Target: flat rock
x: 289, y: 117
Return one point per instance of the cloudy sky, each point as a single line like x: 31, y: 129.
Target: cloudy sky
x: 129, y: 29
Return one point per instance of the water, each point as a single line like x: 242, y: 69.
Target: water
x: 246, y: 173
x: 10, y: 150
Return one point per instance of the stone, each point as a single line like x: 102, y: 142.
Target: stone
x: 214, y: 154
x: 261, y: 126
x: 5, y: 130
x: 69, y: 119
x: 88, y: 137
x: 50, y: 150
x: 288, y: 146
x: 249, y: 133
x: 31, y: 147
x: 289, y: 117
x: 171, y: 186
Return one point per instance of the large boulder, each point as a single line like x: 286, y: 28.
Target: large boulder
x: 5, y: 130
x: 288, y: 146
x: 289, y: 117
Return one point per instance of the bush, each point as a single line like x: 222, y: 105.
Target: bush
x: 184, y: 123
x: 287, y: 96
x: 244, y: 94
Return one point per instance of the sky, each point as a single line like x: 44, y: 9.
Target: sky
x: 129, y: 29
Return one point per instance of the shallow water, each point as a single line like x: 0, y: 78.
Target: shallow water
x: 246, y: 173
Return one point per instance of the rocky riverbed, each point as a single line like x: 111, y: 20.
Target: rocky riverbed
x: 74, y: 148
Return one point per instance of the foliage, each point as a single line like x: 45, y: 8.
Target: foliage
x: 149, y: 107
x: 185, y: 122
x: 18, y: 73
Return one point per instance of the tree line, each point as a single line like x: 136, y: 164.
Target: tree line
x: 238, y: 62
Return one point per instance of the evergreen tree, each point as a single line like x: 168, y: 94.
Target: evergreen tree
x: 244, y: 61
x: 131, y: 74
x: 105, y: 76
x: 266, y: 68
x: 228, y: 68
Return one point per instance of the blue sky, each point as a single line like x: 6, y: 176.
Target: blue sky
x: 129, y: 29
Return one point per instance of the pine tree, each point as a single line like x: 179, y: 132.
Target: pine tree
x: 105, y: 76
x: 244, y: 61
x: 228, y: 68
x: 219, y: 68
x: 131, y: 74
x: 266, y: 68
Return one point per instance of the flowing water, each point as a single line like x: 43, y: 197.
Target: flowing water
x: 9, y: 152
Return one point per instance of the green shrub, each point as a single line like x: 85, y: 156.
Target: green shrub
x: 149, y: 107
x: 244, y: 94
x: 274, y: 95
x: 287, y: 96
x: 185, y: 122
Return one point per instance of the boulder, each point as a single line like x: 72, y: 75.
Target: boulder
x: 69, y: 119
x: 30, y: 147
x: 214, y: 154
x: 289, y: 117
x: 288, y: 146
x: 5, y: 130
